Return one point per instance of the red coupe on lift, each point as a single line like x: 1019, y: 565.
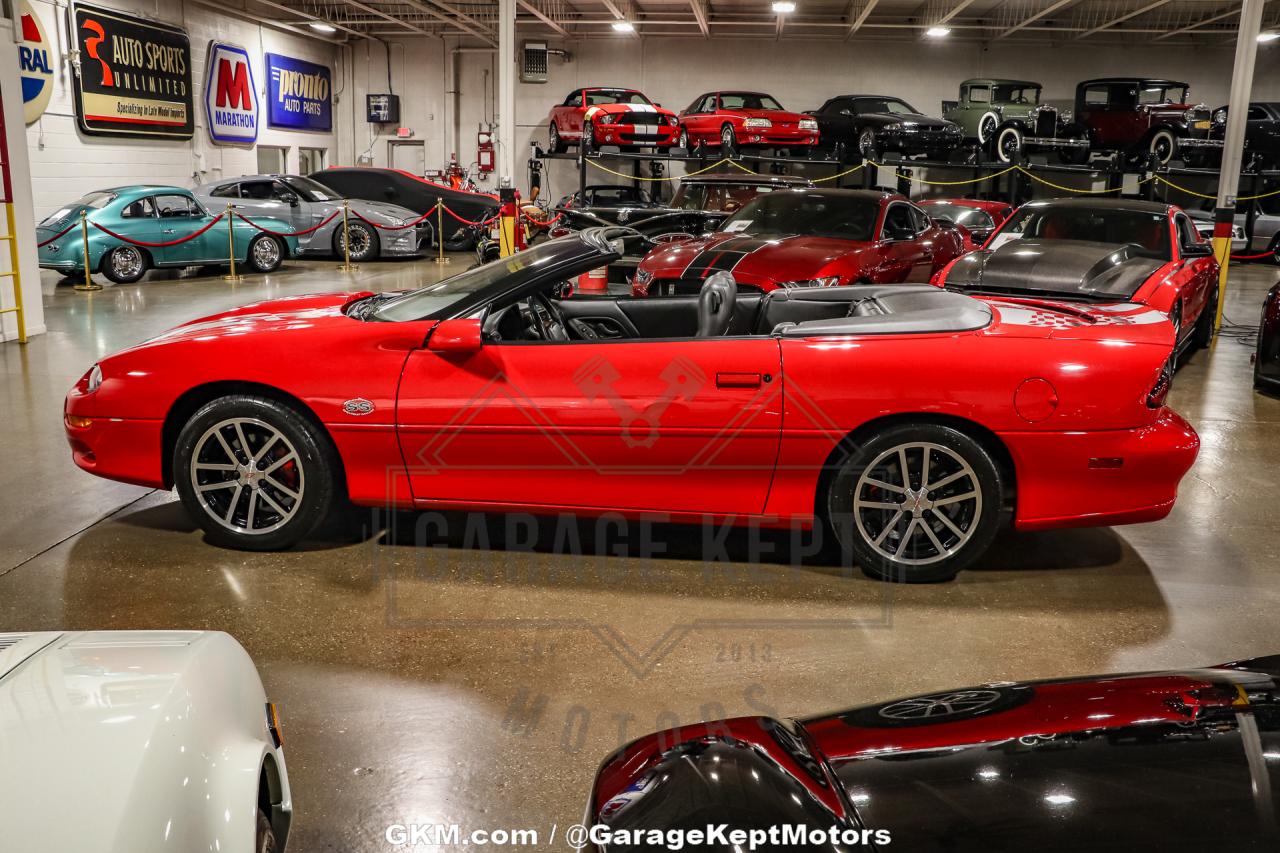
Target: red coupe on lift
x: 736, y: 120
x: 622, y: 117
x: 1117, y: 251
x: 978, y: 216
x: 491, y: 391
x: 808, y: 238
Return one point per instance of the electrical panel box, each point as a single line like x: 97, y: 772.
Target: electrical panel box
x: 383, y: 109
x: 533, y: 64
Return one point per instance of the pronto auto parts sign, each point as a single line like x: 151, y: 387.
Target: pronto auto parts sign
x: 230, y: 98
x: 134, y: 75
x: 298, y: 94
x: 35, y: 65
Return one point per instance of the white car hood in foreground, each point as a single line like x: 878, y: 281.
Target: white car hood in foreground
x: 129, y: 742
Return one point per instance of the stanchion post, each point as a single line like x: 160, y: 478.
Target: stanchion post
x: 89, y: 284
x: 347, y: 266
x: 231, y: 276
x: 440, y: 259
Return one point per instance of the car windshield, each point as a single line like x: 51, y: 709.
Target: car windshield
x: 92, y: 201
x: 717, y: 197
x: 615, y: 96
x: 1147, y: 230
x: 747, y: 101
x: 1155, y: 94
x: 883, y: 105
x: 429, y: 301
x: 969, y: 217
x: 1017, y: 94
x: 310, y: 190
x: 843, y: 217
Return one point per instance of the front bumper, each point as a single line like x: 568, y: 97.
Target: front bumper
x: 1106, y: 477
x: 124, y: 449
x: 768, y: 136
x: 919, y: 142
x: 657, y: 135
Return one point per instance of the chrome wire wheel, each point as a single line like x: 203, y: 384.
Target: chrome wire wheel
x: 940, y: 705
x: 126, y: 262
x: 266, y: 253
x: 987, y: 128
x: 917, y: 503
x: 247, y: 476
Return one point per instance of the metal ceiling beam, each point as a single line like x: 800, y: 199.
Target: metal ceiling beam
x: 541, y: 16
x: 1119, y: 19
x: 1198, y: 24
x: 861, y: 17
x: 700, y: 15
x: 246, y: 15
x: 280, y: 7
x: 955, y: 10
x: 614, y: 10
x: 1031, y: 19
x: 479, y: 30
x: 365, y: 7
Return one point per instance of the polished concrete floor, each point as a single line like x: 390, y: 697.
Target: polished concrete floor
x: 475, y: 685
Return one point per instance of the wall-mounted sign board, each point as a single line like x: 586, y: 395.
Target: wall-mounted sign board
x: 299, y: 94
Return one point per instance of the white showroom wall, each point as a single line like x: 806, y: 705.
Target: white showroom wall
x: 66, y: 163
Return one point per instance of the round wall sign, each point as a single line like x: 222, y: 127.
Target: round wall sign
x: 35, y: 65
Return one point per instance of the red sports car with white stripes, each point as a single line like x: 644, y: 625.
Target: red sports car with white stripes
x: 623, y: 117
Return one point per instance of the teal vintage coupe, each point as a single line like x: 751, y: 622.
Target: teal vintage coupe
x: 157, y: 217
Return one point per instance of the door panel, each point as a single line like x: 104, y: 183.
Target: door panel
x: 625, y: 425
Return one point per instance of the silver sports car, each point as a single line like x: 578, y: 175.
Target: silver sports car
x: 305, y: 203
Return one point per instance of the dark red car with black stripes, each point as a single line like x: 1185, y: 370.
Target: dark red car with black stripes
x: 807, y: 238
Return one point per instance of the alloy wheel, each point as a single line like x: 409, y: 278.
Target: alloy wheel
x: 126, y: 262
x: 917, y: 503
x: 247, y: 476
x: 357, y: 240
x: 266, y: 254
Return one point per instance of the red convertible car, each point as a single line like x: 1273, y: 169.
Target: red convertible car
x: 489, y: 391
x: 735, y: 120
x: 623, y: 117
x: 807, y: 238
x: 1164, y: 761
x: 1117, y: 251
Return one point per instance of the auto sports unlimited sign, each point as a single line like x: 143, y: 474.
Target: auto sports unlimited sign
x: 134, y: 77
x: 298, y: 94
x: 35, y: 65
x: 230, y: 98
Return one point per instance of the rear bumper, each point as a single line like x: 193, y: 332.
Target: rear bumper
x: 1087, y: 479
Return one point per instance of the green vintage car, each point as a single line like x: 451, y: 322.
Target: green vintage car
x: 1005, y: 118
x: 154, y: 215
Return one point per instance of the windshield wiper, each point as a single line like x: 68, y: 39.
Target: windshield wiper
x: 362, y: 309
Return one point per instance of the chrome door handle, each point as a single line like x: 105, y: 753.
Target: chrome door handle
x: 169, y: 231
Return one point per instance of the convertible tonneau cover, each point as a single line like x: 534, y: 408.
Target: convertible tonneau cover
x: 888, y: 310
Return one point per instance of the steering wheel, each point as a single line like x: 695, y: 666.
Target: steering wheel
x: 549, y: 322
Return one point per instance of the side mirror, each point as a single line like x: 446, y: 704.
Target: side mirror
x: 898, y: 233
x: 1197, y: 250
x: 460, y: 336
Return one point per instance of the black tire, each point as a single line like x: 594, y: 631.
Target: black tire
x: 365, y: 245
x: 554, y: 142
x: 1162, y: 143
x: 931, y: 545
x: 867, y: 145
x: 588, y: 143
x: 728, y: 141
x: 684, y: 140
x: 266, y: 254
x: 951, y: 706
x: 1008, y: 143
x: 461, y: 240
x: 1202, y: 334
x: 1075, y: 155
x: 125, y: 264
x: 281, y: 439
x: 265, y: 837
x: 988, y: 125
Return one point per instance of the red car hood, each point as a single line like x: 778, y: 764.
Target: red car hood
x: 771, y: 115
x: 627, y: 108
x: 760, y: 261
x: 290, y: 313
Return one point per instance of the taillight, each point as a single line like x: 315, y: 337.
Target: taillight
x: 1164, y: 381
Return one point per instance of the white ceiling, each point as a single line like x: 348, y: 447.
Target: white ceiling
x: 1172, y: 22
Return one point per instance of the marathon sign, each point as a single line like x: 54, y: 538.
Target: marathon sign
x: 134, y: 76
x: 230, y: 98
x: 35, y: 65
x: 298, y: 94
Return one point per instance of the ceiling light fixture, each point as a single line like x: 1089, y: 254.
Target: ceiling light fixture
x: 782, y: 7
x: 322, y: 27
x: 1266, y: 37
x: 937, y: 32
x: 623, y: 27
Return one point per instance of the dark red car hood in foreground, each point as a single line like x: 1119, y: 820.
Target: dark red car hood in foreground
x: 1165, y: 761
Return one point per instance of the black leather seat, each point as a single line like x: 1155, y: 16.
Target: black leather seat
x: 716, y: 303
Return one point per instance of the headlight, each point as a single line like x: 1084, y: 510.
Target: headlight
x: 892, y: 126
x: 672, y: 121
x: 757, y: 122
x: 808, y: 124
x: 827, y: 281
x: 1220, y: 117
x: 95, y: 379
x: 1066, y: 115
x: 607, y: 118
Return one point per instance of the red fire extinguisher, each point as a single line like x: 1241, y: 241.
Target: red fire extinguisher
x: 485, y: 161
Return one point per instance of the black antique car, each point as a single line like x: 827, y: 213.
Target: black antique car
x: 1169, y: 761
x: 417, y: 194
x: 868, y: 125
x: 1261, y: 135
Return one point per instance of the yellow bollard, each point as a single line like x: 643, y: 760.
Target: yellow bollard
x: 231, y: 247
x: 347, y: 266
x: 441, y: 259
x: 89, y: 284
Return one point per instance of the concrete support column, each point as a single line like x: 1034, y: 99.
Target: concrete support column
x: 507, y: 90
x: 24, y: 214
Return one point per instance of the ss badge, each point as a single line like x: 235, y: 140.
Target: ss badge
x: 358, y: 406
